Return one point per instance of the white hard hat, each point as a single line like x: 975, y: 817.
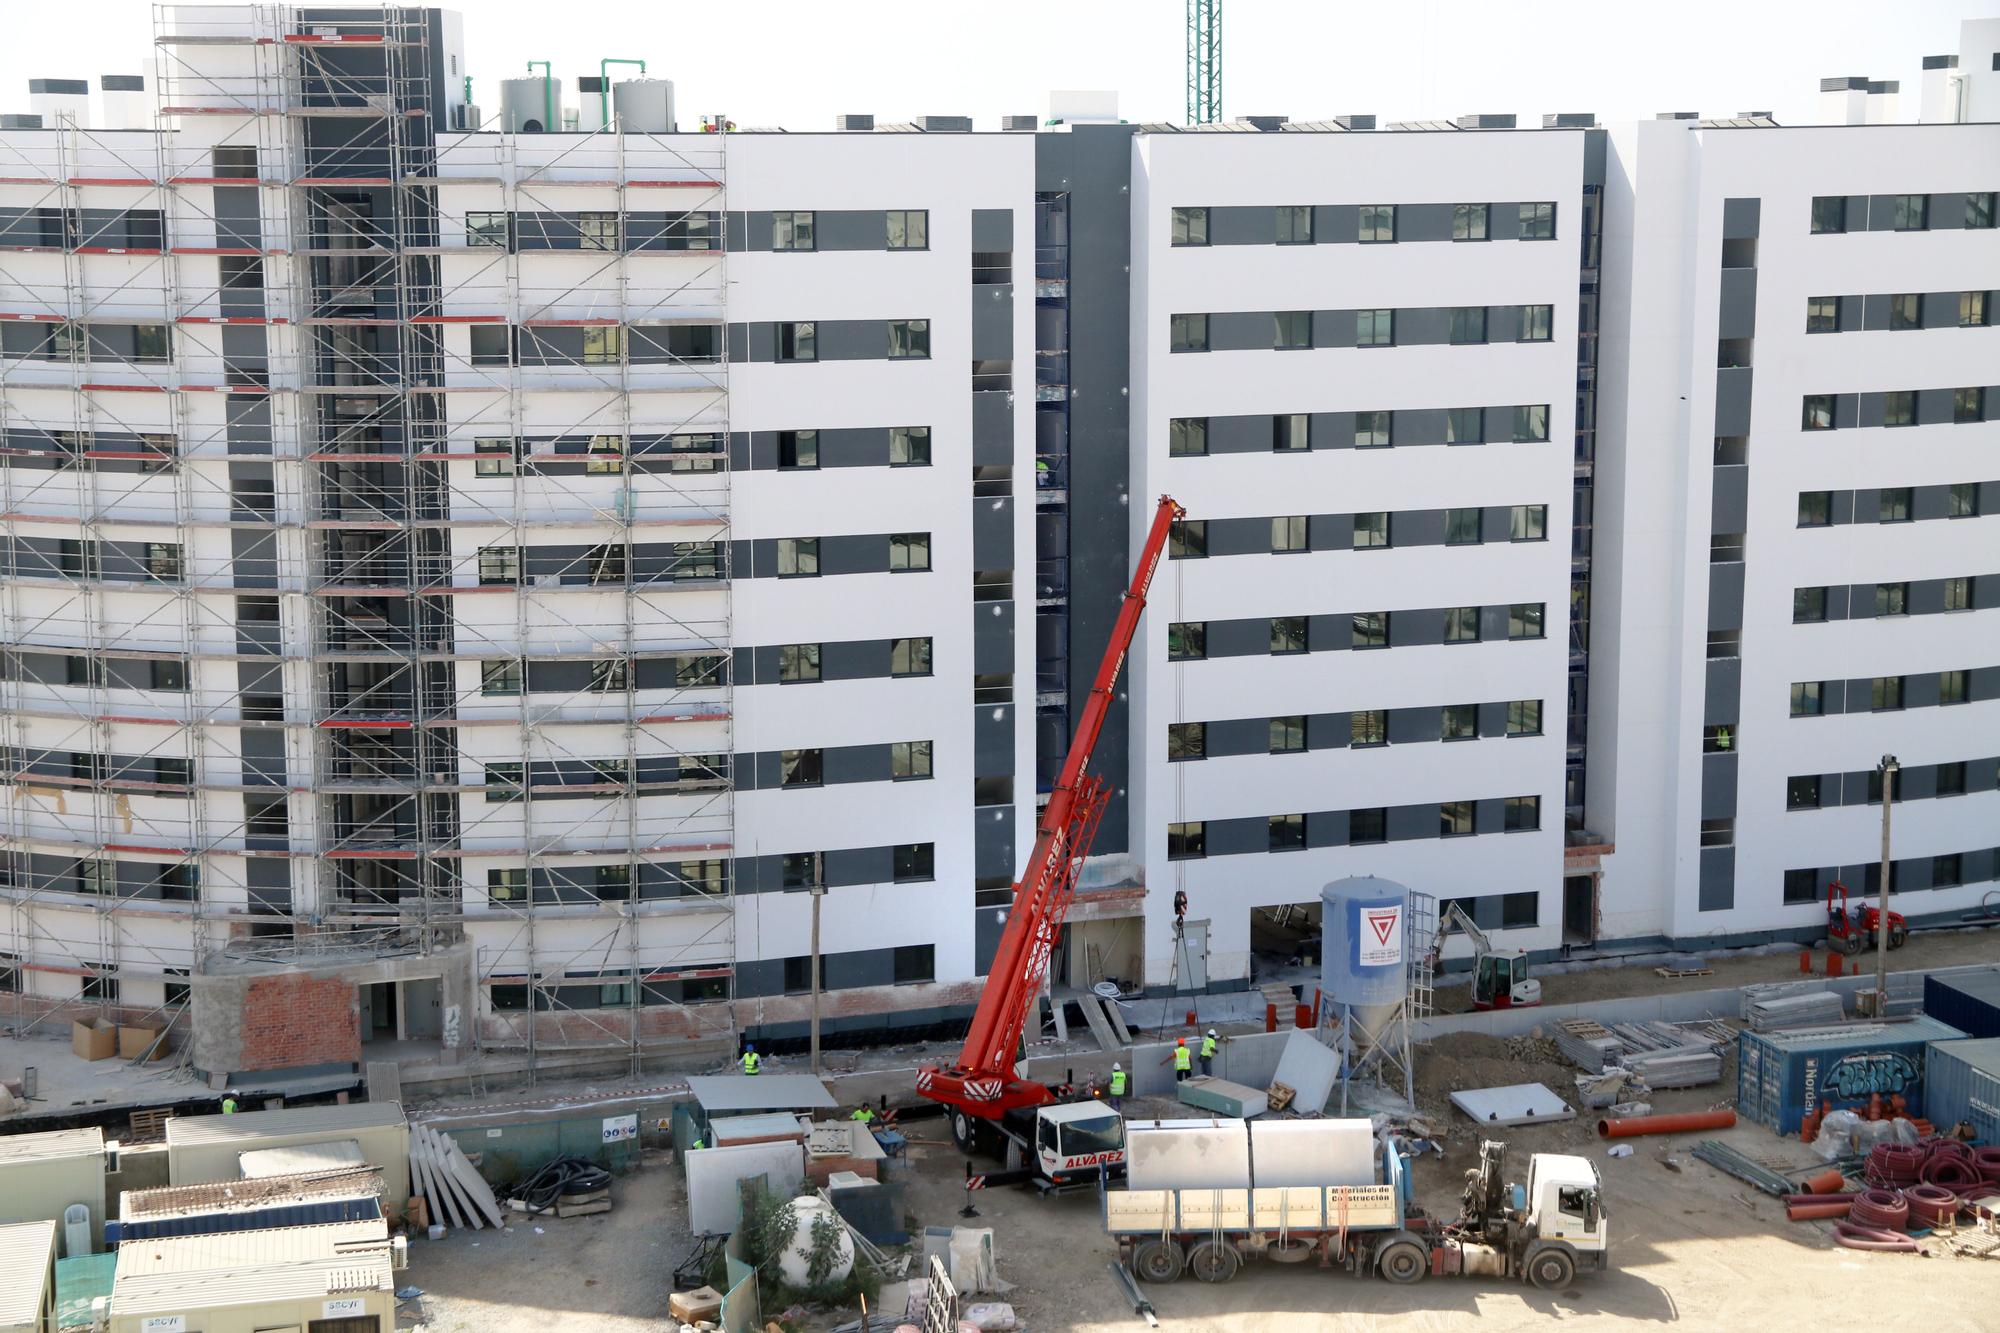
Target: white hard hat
x: 1115, y: 1067
x: 1211, y: 1032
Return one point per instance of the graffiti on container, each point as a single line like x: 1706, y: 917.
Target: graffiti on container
x: 1865, y: 1073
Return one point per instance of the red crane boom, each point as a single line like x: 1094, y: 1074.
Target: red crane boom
x: 983, y: 1081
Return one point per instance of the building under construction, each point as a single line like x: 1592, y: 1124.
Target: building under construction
x: 475, y: 574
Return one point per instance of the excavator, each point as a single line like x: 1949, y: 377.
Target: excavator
x: 1500, y: 977
x: 1055, y: 1138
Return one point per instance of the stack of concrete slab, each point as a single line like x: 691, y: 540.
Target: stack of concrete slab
x: 454, y: 1187
x: 1773, y: 990
x: 1587, y: 1045
x: 1222, y: 1096
x: 1807, y: 1010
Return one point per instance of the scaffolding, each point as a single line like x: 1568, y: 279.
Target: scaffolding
x: 426, y: 602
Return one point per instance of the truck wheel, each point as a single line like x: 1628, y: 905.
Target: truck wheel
x: 1404, y: 1262
x: 1157, y: 1261
x: 961, y: 1130
x: 1850, y: 944
x: 1898, y: 936
x: 1214, y: 1261
x: 1552, y: 1268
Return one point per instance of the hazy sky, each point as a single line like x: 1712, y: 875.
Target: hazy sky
x: 798, y: 63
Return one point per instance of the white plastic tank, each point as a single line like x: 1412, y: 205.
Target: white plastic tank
x: 644, y: 106
x: 1364, y: 964
x: 591, y: 103
x: 531, y: 106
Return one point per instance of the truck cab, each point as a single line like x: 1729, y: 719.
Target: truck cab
x: 1074, y: 1139
x: 1565, y: 1202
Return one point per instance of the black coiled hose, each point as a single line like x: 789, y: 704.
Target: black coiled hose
x: 563, y: 1176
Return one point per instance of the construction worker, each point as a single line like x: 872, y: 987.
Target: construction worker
x: 1183, y: 1060
x: 864, y: 1115
x: 1208, y: 1053
x: 1117, y: 1086
x: 696, y: 1146
x: 1722, y: 738
x: 751, y: 1063
x: 229, y: 1104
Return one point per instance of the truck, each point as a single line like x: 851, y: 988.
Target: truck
x: 1544, y: 1232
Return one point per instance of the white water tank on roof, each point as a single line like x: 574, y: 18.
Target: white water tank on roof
x: 531, y: 106
x: 644, y: 106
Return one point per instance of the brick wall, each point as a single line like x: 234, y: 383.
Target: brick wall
x: 295, y: 1019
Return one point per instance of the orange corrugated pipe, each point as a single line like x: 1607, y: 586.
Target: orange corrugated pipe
x: 1828, y: 1181
x: 1813, y: 1212
x: 1639, y: 1125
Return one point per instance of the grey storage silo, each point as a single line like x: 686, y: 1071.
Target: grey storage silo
x: 531, y: 106
x: 1365, y: 967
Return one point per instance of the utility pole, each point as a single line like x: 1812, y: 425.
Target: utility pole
x: 818, y: 892
x: 1889, y: 770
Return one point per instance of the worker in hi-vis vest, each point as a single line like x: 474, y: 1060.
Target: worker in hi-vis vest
x: 1117, y: 1086
x: 751, y: 1064
x: 1183, y: 1060
x: 1208, y: 1053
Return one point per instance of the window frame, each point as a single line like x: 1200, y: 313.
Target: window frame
x: 912, y: 443
x: 1808, y: 698
x: 1187, y: 742
x: 1187, y: 539
x: 1187, y: 641
x: 1187, y: 437
x: 911, y: 761
x: 1979, y: 210
x: 794, y: 231
x: 1289, y: 535
x: 1538, y: 323
x: 480, y: 235
x: 1291, y: 330
x: 1455, y: 521
x: 909, y: 552
x: 1375, y: 429
x: 1815, y: 509
x: 1524, y: 616
x: 1817, y: 411
x: 1528, y: 523
x: 1187, y: 333
x: 1521, y: 814
x: 1458, y: 722
x: 1910, y: 212
x: 801, y: 553
x: 1804, y: 791
x: 1463, y: 227
x: 802, y: 768
x: 1468, y: 325
x: 1524, y: 717
x: 1378, y: 525
x: 1809, y: 605
x: 1288, y: 218
x: 1369, y: 631
x: 1375, y: 327
x: 1372, y: 221
x: 1906, y: 311
x: 1461, y: 624
x: 911, y: 650
x: 909, y: 340
x: 1538, y: 221
x: 1829, y: 215
x: 1290, y: 635
x: 922, y: 217
x: 1187, y: 840
x: 1367, y: 728
x: 1285, y: 833
x: 798, y: 450
x: 1458, y: 819
x: 1822, y: 314
x: 799, y: 664
x: 1283, y: 731
x: 1182, y: 225
x: 1291, y: 433
x: 798, y: 341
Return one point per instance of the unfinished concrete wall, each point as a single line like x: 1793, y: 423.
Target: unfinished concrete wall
x: 279, y: 1020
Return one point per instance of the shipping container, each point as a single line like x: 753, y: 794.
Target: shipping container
x: 1969, y: 1001
x: 1781, y: 1077
x: 1962, y: 1083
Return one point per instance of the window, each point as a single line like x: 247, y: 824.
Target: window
x: 909, y: 229
x: 909, y: 446
x: 100, y: 986
x: 911, y: 964
x: 163, y: 561
x: 84, y: 671
x: 1806, y: 698
x: 791, y: 231
x: 1537, y: 323
x: 1368, y: 727
x: 909, y: 339
x: 798, y: 450
x: 486, y: 229
x: 1524, y: 717
x: 1374, y: 430
x: 1287, y: 833
x: 95, y: 875
x: 168, y: 674
x: 610, y: 675
x: 1951, y: 779
x: 1912, y: 212
x: 910, y: 657
x: 603, y: 345
x: 1371, y: 529
x: 1951, y: 687
x: 1465, y: 425
x: 500, y: 678
x: 1972, y: 310
x: 1906, y: 311
x: 697, y: 671
x: 501, y: 464
x: 1188, y: 333
x: 605, y: 564
x: 1815, y: 508
x: 1371, y: 629
x: 914, y: 861
x: 1463, y: 527
x: 1292, y: 330
x: 1968, y: 404
x: 1455, y: 819
x: 1829, y: 214
x: 1288, y: 634
x: 1958, y: 593
x: 1461, y: 624
x: 1519, y: 911
x: 605, y: 456
x: 1808, y: 605
x: 1364, y: 826
x: 1375, y: 328
x: 1188, y: 539
x: 1468, y: 324
x: 798, y: 662
x: 1295, y: 224
x: 1288, y: 734
x: 909, y: 760
x: 1817, y: 413
x: 1529, y: 523
x: 801, y: 768
x: 503, y: 782
x: 1885, y: 692
x: 1524, y: 620
x: 1802, y: 793
x: 1948, y: 869
x: 909, y: 551
x: 1190, y: 226
x: 1291, y: 432
x: 798, y: 341
x: 235, y: 162
x: 1979, y: 209
x: 1523, y: 814
x: 1288, y: 534
x: 1187, y: 437
x: 1378, y: 223
x: 1531, y: 423
x: 1187, y: 640
x: 1460, y: 722
x: 1892, y: 599
x: 1187, y: 842
x: 1186, y: 740
x: 1801, y: 886
x: 1822, y: 314
x: 500, y: 564
x: 597, y: 231
x: 1892, y: 504
x: 1468, y: 222
x: 1538, y: 222
x: 798, y: 557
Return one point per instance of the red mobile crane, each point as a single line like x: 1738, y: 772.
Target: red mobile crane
x: 982, y: 1091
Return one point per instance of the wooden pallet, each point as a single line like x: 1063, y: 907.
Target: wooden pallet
x: 1676, y: 973
x: 149, y: 1126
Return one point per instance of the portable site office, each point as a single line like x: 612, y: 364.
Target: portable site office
x: 206, y: 1148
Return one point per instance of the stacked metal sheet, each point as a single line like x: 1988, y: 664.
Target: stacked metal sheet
x: 1772, y: 990
x: 1813, y: 1009
x: 1587, y: 1045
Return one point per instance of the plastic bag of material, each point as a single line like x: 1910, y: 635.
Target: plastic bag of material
x: 1836, y: 1135
x: 1873, y: 1132
x: 1903, y: 1131
x: 990, y: 1316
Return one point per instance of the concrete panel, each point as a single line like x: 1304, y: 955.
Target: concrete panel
x: 1186, y: 1154
x: 993, y: 842
x: 1738, y: 317
x: 1312, y: 1152
x: 993, y: 638
x: 1718, y: 786
x: 1725, y: 596
x: 992, y: 427
x: 1310, y: 1068
x: 993, y: 230
x: 1718, y: 879
x: 1729, y: 498
x: 1732, y: 401
x: 1740, y: 218
x: 993, y: 533
x: 992, y: 321
x: 1722, y: 696
x: 993, y: 741
x: 715, y: 1177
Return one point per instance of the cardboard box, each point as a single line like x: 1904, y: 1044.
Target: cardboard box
x: 133, y: 1040
x: 94, y: 1041
x: 692, y: 1306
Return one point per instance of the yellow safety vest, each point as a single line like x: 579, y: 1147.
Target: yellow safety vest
x: 1117, y: 1083
x: 750, y: 1062
x: 1183, y: 1058
x: 1208, y: 1048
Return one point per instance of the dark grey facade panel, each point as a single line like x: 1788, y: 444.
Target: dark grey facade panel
x: 1234, y: 225
x: 993, y: 231
x: 992, y: 428
x: 993, y: 741
x: 1725, y: 596
x: 993, y: 842
x: 1732, y: 401
x: 992, y: 638
x: 1718, y: 786
x: 993, y: 321
x: 1729, y: 500
x: 992, y: 532
x: 1717, y: 892
x: 1740, y: 218
x: 1738, y: 315
x: 1240, y: 331
x: 1722, y: 693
